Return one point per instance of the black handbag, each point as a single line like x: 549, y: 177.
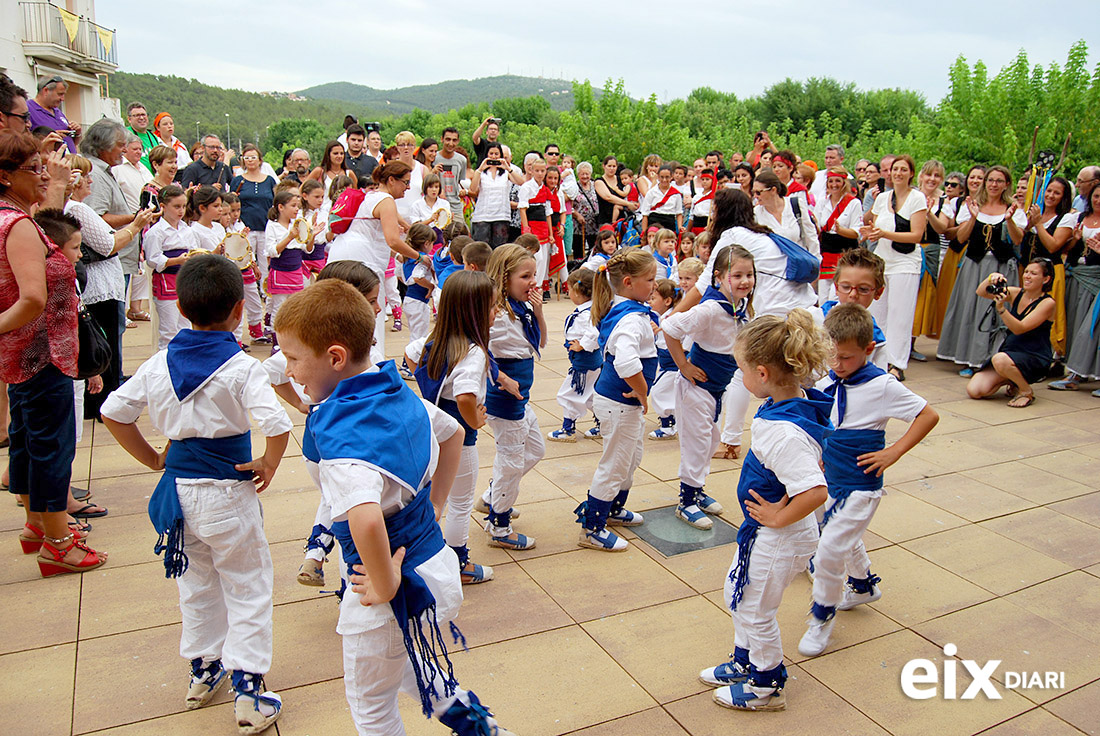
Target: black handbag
x: 901, y: 225
x: 95, y: 350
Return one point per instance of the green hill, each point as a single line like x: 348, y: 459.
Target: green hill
x: 450, y: 95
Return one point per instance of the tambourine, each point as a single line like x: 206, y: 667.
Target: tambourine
x: 236, y: 248
x: 305, y: 230
x: 442, y: 218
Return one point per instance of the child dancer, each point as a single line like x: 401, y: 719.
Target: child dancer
x: 201, y: 392
x: 313, y: 201
x: 377, y: 487
x: 781, y: 484
x: 419, y: 282
x: 284, y: 252
x: 688, y: 271
x: 166, y: 247
x: 536, y: 204
x: 320, y: 542
x: 705, y: 373
x: 582, y: 342
x: 604, y: 247
x: 204, y: 210
x: 253, y: 304
x: 686, y: 249
x: 475, y: 256
x: 855, y: 456
x: 452, y: 368
x: 516, y: 336
x: 627, y: 343
x: 231, y: 214
x: 662, y: 301
x: 860, y: 279
x: 664, y: 251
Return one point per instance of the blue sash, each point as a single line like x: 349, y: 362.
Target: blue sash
x: 866, y: 372
x: 381, y: 405
x: 839, y: 455
x: 195, y: 457
x: 173, y: 253
x: 610, y: 385
x: 289, y: 260
x: 430, y: 389
x: 665, y: 361
x: 531, y: 330
x: 878, y: 334
x: 503, y: 405
x: 719, y: 368
x: 580, y: 364
x: 413, y: 290
x: 810, y: 414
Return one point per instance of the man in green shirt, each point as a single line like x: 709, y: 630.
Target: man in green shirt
x: 139, y: 126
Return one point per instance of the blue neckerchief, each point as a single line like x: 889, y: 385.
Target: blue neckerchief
x: 739, y: 313
x: 617, y: 312
x: 407, y: 268
x: 600, y: 254
x: 441, y: 261
x: 866, y: 372
x: 194, y: 457
x: 572, y: 319
x: 810, y: 414
x: 878, y: 335
x: 196, y: 355
x: 665, y: 263
x: 526, y: 316
x: 380, y: 404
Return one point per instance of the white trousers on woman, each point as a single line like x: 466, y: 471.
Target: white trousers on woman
x: 519, y: 448
x: 225, y: 595
x: 840, y: 551
x: 894, y: 312
x: 777, y: 556
x: 736, y: 403
x: 697, y: 429
x: 623, y: 431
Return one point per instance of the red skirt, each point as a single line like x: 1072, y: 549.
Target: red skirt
x: 285, y: 282
x: 828, y: 264
x: 164, y: 286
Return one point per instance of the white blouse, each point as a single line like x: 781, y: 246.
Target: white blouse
x: 105, y: 278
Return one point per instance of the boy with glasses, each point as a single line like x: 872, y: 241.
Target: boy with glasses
x: 861, y: 278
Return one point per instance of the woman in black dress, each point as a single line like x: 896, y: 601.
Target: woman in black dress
x: 1025, y: 355
x: 609, y: 194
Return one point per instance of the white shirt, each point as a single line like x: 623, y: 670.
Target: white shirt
x: 364, y: 241
x: 348, y: 483
x: 804, y: 233
x: 595, y: 260
x: 162, y: 237
x: 131, y: 179
x: 275, y: 367
x: 208, y: 238
x: 529, y: 191
x: 851, y: 217
x: 421, y: 210
x: 898, y: 263
x: 871, y: 405
x: 582, y: 329
x: 788, y: 451
x: 630, y: 341
x: 569, y: 186
x: 673, y: 206
x: 494, y: 186
x: 221, y: 408
x: 506, y: 339
x: 707, y: 324
x: 105, y: 278
x: 414, y: 194
x: 273, y: 235
x: 774, y: 293
x: 468, y: 376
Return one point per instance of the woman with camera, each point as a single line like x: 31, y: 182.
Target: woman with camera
x: 490, y: 185
x: 1025, y: 355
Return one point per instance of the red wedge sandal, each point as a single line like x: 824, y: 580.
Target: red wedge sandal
x: 51, y: 560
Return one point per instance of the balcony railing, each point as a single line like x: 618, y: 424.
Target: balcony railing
x: 43, y: 26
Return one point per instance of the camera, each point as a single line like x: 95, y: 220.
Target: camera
x: 495, y: 162
x: 996, y: 288
x: 373, y: 127
x: 498, y: 121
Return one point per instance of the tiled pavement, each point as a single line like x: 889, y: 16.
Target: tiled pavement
x: 989, y: 539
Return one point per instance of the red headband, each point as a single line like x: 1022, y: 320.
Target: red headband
x: 608, y: 228
x: 784, y: 159
x: 836, y: 175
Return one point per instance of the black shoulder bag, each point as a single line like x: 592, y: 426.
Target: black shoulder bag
x: 901, y: 225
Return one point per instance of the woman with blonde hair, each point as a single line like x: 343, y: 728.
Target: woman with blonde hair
x: 405, y: 143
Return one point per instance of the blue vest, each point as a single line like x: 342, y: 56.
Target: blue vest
x: 810, y: 414
x: 580, y: 361
x: 430, y: 389
x: 381, y: 407
x: 610, y: 385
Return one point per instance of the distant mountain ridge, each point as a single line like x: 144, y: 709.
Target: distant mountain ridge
x: 444, y: 96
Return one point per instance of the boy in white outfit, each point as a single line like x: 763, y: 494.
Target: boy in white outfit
x: 200, y: 392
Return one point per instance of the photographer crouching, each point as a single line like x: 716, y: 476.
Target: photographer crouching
x: 1025, y: 355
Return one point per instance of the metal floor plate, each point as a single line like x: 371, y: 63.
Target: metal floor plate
x: 670, y: 536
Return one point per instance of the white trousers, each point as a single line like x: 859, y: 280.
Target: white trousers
x: 519, y: 448
x: 573, y: 405
x: 393, y: 296
x: 894, y: 312
x: 623, y: 430
x: 169, y: 321
x: 777, y: 556
x: 840, y: 551
x: 78, y: 403
x: 460, y: 503
x: 542, y: 264
x: 253, y: 309
x: 417, y: 316
x: 662, y: 397
x: 225, y: 595
x: 698, y: 431
x: 139, y: 286
x: 274, y: 301
x: 736, y: 405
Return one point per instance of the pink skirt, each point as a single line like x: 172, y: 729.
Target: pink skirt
x: 249, y: 275
x: 310, y: 267
x: 285, y: 282
x: 164, y: 286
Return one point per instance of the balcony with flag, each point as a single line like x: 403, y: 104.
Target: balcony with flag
x: 56, y: 35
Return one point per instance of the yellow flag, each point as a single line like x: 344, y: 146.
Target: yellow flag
x: 71, y: 22
x: 106, y: 37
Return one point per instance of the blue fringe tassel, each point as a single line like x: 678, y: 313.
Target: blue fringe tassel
x: 458, y: 637
x: 841, y: 499
x: 578, y: 380
x: 171, y: 544
x: 425, y: 653
x: 739, y: 576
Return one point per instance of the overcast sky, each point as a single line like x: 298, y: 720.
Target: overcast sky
x: 665, y: 48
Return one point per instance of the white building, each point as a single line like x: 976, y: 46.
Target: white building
x: 39, y: 38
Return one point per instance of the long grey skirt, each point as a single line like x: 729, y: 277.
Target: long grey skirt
x: 1079, y: 299
x: 969, y: 334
